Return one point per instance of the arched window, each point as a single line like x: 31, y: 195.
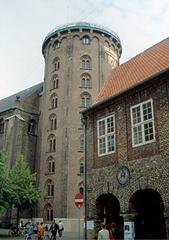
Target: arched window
x: 53, y: 122
x: 81, y: 190
x: 81, y: 168
x: 52, y: 143
x: 1, y: 125
x: 50, y: 188
x: 82, y: 143
x: 53, y: 101
x: 56, y: 44
x: 32, y: 127
x: 51, y: 165
x: 85, y: 100
x: 85, y: 81
x: 49, y: 212
x: 56, y: 64
x: 86, y: 62
x: 86, y: 40
x: 81, y: 121
x: 55, y: 82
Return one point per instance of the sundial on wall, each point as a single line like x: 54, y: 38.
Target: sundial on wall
x: 123, y: 175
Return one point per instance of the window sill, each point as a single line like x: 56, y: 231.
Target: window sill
x: 142, y: 144
x: 49, y: 197
x: 85, y: 68
x: 85, y: 87
x: 49, y: 173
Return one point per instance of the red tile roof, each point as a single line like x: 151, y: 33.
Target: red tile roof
x: 137, y: 69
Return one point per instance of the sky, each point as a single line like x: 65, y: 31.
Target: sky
x: 25, y: 23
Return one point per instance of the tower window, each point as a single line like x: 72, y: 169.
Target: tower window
x: 52, y: 143
x: 56, y: 44
x: 56, y: 64
x: 50, y: 188
x: 86, y: 40
x: 54, y: 101
x: 81, y: 168
x: 85, y: 100
x: 55, y: 82
x: 1, y: 125
x: 86, y: 62
x: 85, y: 81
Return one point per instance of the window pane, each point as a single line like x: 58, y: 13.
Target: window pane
x: 148, y: 131
x: 110, y: 125
x: 136, y: 114
x: 137, y: 132
x: 147, y: 111
x: 102, y: 146
x: 110, y: 143
x: 102, y: 128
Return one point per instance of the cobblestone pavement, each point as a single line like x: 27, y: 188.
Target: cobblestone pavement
x: 66, y: 236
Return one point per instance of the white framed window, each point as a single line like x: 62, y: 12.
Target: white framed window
x: 142, y: 123
x: 106, y: 135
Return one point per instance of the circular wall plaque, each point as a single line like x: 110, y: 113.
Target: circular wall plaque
x: 123, y: 175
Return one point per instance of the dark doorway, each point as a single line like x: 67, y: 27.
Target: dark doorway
x: 108, y: 209
x: 149, y: 214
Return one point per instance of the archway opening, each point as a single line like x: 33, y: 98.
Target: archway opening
x: 108, y: 210
x: 147, y: 205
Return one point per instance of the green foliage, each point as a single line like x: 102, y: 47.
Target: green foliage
x: 5, y: 187
x: 25, y: 193
x: 17, y: 185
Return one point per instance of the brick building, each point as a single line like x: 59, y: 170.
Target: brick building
x: 44, y: 122
x: 127, y: 146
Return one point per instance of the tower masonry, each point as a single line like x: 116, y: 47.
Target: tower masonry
x: 78, y: 58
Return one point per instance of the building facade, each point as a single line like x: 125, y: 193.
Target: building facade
x: 78, y: 58
x: 44, y: 122
x: 19, y: 118
x: 127, y: 142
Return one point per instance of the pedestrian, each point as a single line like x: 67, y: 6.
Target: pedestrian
x: 41, y: 231
x: 46, y: 233
x: 54, y: 229
x: 114, y: 231
x: 30, y: 232
x: 61, y: 228
x: 103, y: 234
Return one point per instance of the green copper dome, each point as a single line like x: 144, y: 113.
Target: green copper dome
x: 81, y: 26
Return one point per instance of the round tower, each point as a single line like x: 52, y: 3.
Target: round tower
x: 78, y: 58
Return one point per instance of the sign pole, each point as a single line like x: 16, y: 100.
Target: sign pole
x: 79, y: 222
x: 79, y: 204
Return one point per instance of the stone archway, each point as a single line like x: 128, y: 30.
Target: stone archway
x: 108, y: 209
x: 148, y: 208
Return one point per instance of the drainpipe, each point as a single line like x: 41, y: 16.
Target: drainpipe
x: 85, y: 177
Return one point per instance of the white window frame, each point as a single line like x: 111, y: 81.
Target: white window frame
x: 142, y: 123
x: 106, y: 135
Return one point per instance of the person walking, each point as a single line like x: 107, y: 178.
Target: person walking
x: 103, y: 234
x: 41, y: 231
x: 54, y: 229
x: 61, y: 228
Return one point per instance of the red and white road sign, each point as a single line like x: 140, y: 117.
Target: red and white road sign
x: 79, y: 200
